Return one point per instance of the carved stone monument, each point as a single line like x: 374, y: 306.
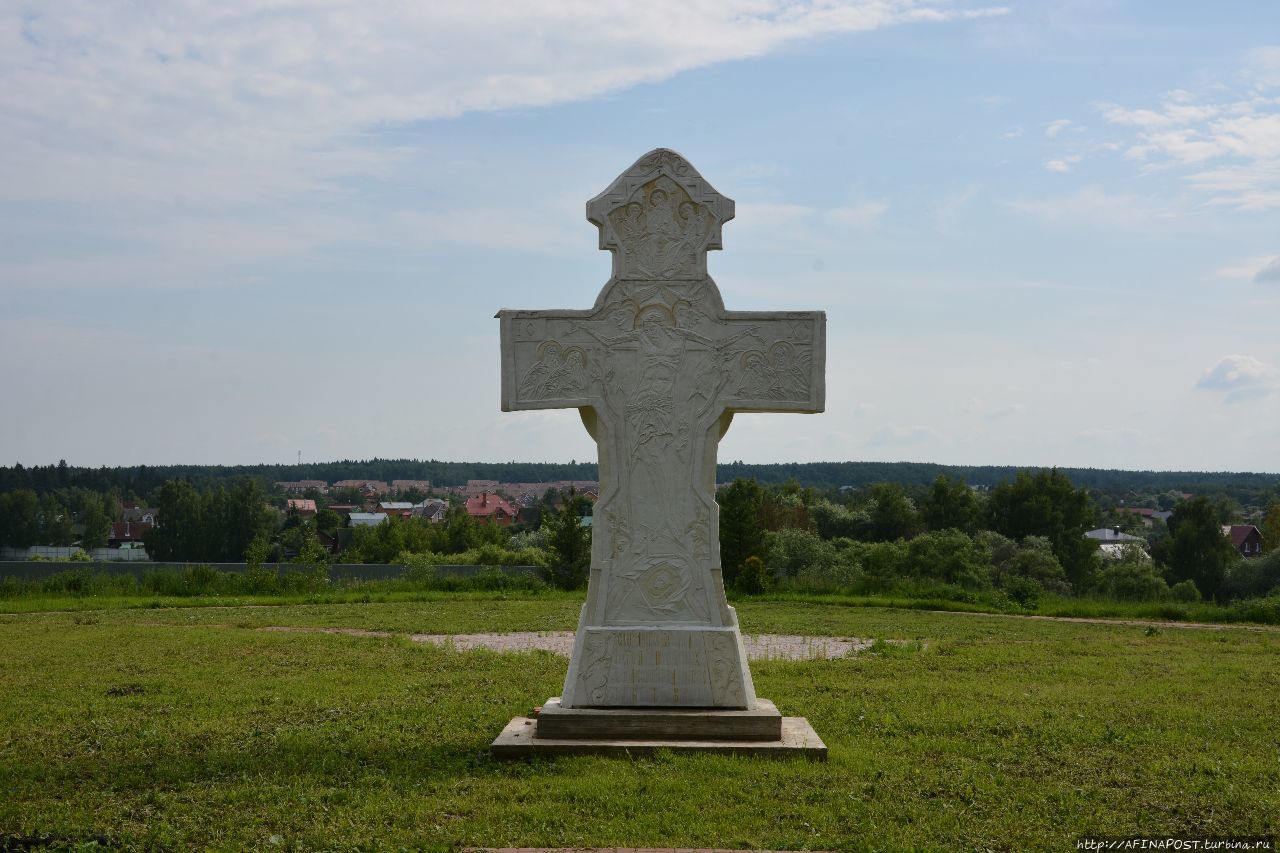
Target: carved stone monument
x: 657, y: 369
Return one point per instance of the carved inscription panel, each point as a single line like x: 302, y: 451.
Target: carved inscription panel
x: 659, y: 668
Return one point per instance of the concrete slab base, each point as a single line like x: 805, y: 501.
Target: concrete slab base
x: 557, y: 722
x: 520, y: 740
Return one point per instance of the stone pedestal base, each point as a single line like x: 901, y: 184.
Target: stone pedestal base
x: 659, y: 667
x: 638, y: 731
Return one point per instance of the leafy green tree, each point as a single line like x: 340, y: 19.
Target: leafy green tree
x: 786, y: 506
x: 834, y: 521
x: 951, y: 504
x: 328, y: 520
x: 19, y: 518
x: 569, y: 545
x: 893, y: 514
x: 1269, y: 527
x: 413, y: 494
x: 1046, y: 504
x: 97, y: 526
x: 950, y: 556
x: 741, y: 535
x: 460, y: 529
x: 312, y: 556
x: 1196, y: 549
x: 216, y: 526
x: 256, y: 554
x: 179, y: 524
x: 55, y: 522
x: 793, y: 550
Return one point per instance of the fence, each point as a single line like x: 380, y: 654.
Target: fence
x: 37, y: 570
x: 51, y: 552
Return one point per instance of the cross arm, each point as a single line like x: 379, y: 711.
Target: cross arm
x: 780, y: 366
x: 547, y: 362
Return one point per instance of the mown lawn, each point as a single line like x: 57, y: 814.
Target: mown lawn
x: 191, y: 727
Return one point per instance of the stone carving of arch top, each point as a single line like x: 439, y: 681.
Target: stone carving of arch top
x: 659, y: 218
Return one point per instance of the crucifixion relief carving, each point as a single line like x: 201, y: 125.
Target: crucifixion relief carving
x: 657, y: 369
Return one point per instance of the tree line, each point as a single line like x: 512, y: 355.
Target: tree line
x: 1023, y: 538
x: 134, y: 482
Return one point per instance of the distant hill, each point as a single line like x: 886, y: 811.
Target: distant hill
x: 1247, y: 487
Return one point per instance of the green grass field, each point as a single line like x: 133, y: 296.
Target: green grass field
x: 191, y: 728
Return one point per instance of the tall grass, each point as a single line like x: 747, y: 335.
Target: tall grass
x: 206, y: 581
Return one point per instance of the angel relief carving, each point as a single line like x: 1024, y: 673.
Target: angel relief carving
x: 560, y: 372
x: 779, y: 373
x: 661, y: 233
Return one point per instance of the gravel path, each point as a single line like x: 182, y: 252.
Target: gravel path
x: 759, y: 646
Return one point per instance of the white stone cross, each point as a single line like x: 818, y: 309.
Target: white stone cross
x: 657, y: 370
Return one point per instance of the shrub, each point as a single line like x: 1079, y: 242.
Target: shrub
x: 753, y: 577
x: 1254, y: 578
x: 1185, y: 592
x: 884, y: 559
x: 1024, y: 591
x: 1263, y: 610
x: 794, y: 550
x: 1132, y: 580
x: 841, y: 572
x: 951, y: 556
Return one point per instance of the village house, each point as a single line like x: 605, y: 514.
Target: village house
x: 402, y: 486
x: 477, y: 488
x: 399, y: 509
x: 1245, y: 538
x: 297, y: 487
x: 490, y: 508
x: 366, y: 519
x: 1113, y: 543
x: 304, y: 507
x: 128, y: 534
x: 368, y: 488
x: 432, y: 509
x: 133, y: 512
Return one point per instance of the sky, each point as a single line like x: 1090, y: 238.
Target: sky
x: 1044, y: 233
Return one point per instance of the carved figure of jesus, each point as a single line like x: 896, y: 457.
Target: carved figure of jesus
x: 657, y: 369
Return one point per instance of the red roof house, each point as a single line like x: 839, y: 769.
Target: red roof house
x: 1245, y: 538
x: 127, y: 532
x: 305, y: 507
x: 491, y: 508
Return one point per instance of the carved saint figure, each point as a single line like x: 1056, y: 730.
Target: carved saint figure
x: 533, y: 385
x: 631, y: 225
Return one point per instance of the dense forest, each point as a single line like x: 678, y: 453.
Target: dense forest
x: 1248, y: 489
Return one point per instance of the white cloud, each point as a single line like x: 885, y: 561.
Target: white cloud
x: 1057, y: 126
x: 1133, y: 118
x: 1006, y: 411
x: 1269, y: 274
x: 1262, y: 67
x: 897, y: 435
x: 1094, y: 207
x: 1113, y: 437
x: 1240, y: 377
x: 859, y: 215
x: 1264, y: 269
x: 1062, y: 165
x: 1234, y: 142
x: 239, y: 101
